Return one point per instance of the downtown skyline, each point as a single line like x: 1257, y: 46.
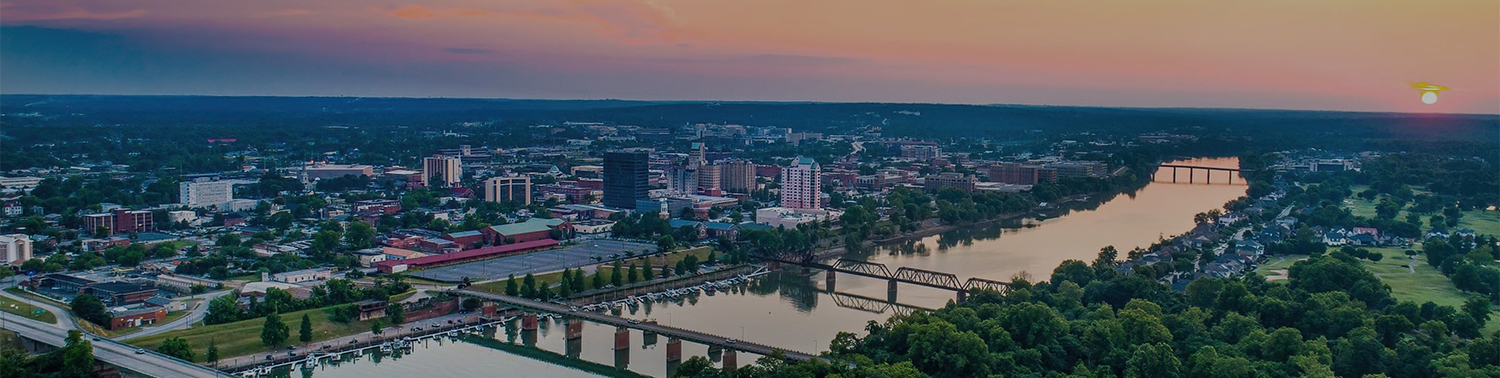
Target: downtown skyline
x: 1328, y: 55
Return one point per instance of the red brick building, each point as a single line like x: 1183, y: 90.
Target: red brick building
x: 137, y: 317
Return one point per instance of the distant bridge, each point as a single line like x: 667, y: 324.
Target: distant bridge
x: 914, y: 276
x: 1231, y: 172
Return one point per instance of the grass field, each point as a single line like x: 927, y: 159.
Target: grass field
x: 13, y: 306
x: 243, y: 337
x: 553, y: 278
x: 1275, y: 268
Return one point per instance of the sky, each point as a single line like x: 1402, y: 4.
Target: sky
x: 1359, y: 55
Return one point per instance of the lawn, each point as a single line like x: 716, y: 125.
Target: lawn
x: 13, y: 306
x: 553, y: 278
x: 1425, y: 284
x: 243, y: 337
x: 1276, y: 266
x: 1481, y: 221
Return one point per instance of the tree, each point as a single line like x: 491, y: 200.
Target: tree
x: 304, y: 333
x: 212, y: 356
x: 577, y: 282
x: 634, y: 275
x: 617, y: 274
x: 1478, y: 307
x: 176, y: 347
x: 543, y: 292
x: 376, y: 327
x: 598, y: 279
x: 273, y: 332
x: 396, y: 313
x: 528, y: 286
x: 648, y: 273
x: 665, y: 244
x: 511, y: 288
x: 77, y: 356
x: 89, y: 308
x: 470, y: 304
x: 359, y: 235
x: 1153, y: 360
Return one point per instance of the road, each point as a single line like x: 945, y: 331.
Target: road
x: 63, y: 316
x: 690, y: 335
x: 113, y: 352
x: 196, y: 315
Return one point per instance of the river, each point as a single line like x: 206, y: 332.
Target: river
x: 796, y: 311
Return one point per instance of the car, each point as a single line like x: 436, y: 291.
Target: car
x: 418, y: 328
x: 270, y: 357
x: 96, y: 338
x: 575, y: 309
x: 140, y: 351
x: 730, y: 341
x: 293, y: 354
x: 633, y: 321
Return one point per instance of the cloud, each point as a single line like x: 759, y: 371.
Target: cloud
x: 51, y: 12
x: 285, y: 13
x: 468, y: 51
x: 628, y: 21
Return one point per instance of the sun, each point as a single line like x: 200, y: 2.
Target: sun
x: 1429, y: 98
x: 1429, y: 91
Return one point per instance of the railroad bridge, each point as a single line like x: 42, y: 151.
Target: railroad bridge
x: 1208, y: 170
x: 907, y: 275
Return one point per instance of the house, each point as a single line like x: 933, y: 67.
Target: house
x: 530, y: 230
x: 371, y: 309
x: 369, y: 257
x: 465, y: 239
x: 299, y: 276
x: 122, y: 318
x: 121, y: 293
x: 697, y: 227
x: 721, y: 229
x: 170, y: 304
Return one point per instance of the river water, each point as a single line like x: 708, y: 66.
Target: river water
x: 796, y: 311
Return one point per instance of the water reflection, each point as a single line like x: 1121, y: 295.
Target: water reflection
x: 803, y: 311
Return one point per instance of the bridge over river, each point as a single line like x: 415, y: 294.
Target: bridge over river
x: 674, y: 334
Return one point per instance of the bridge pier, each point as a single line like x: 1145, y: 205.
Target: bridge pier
x: 648, y: 338
x: 622, y: 338
x: 528, y: 322
x: 730, y: 361
x: 622, y: 358
x: 1174, y: 175
x: 890, y: 288
x: 573, y: 348
x: 674, y: 350
x: 829, y: 279
x: 962, y: 296
x: 575, y: 328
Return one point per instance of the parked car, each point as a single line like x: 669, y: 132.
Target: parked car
x: 140, y: 351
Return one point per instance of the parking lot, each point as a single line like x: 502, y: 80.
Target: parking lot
x: 573, y: 256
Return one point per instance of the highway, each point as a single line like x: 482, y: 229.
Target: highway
x: 690, y: 335
x: 193, y: 317
x: 113, y: 352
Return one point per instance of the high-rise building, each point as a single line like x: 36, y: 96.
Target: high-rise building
x: 328, y: 171
x: 120, y: 221
x: 799, y: 184
x: 445, y: 170
x: 921, y: 151
x: 626, y: 178
x: 205, y: 192
x: 709, y: 178
x: 682, y: 179
x: 15, y: 249
x: 696, y: 157
x: 508, y: 189
x: 737, y: 176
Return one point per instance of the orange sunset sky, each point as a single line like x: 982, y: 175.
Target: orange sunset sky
x: 1304, y: 54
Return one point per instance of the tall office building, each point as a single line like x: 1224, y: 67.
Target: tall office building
x: 205, y: 192
x: 799, y: 184
x: 737, y: 176
x: 626, y: 178
x: 508, y: 189
x: 682, y: 179
x: 709, y: 177
x: 15, y: 249
x: 446, y: 170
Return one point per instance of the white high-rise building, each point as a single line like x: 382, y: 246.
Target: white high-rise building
x: 446, y: 170
x: 205, y: 192
x: 799, y: 184
x: 508, y: 189
x: 15, y: 249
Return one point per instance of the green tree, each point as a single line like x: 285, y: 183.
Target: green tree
x: 1478, y: 307
x: 634, y: 274
x: 528, y: 286
x: 77, y: 356
x: 359, y: 236
x: 212, y: 356
x: 511, y: 288
x: 176, y: 347
x: 665, y: 244
x: 648, y: 273
x: 396, y: 313
x: 273, y: 332
x: 471, y: 304
x: 1153, y: 361
x: 940, y: 349
x: 617, y: 274
x: 89, y: 308
x: 376, y: 327
x: 577, y: 282
x: 304, y: 333
x: 598, y: 279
